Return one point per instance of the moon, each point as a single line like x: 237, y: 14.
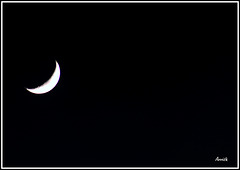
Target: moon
x: 50, y: 84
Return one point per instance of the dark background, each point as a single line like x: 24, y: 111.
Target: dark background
x: 141, y: 84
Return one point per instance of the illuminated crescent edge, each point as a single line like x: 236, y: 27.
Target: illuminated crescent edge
x: 50, y: 84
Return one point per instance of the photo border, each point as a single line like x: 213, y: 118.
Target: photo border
x: 5, y: 2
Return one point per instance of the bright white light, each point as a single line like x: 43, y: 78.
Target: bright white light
x: 50, y: 84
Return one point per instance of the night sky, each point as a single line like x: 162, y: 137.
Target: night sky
x: 142, y: 85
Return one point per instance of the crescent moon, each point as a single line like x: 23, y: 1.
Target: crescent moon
x: 50, y: 84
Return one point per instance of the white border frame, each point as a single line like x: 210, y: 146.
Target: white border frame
x: 2, y: 2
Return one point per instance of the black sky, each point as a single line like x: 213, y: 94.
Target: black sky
x: 141, y: 84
